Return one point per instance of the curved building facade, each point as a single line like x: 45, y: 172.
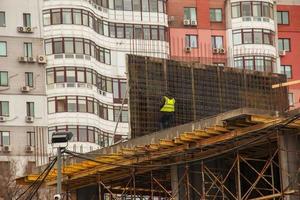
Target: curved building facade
x: 86, y: 43
x: 251, y: 34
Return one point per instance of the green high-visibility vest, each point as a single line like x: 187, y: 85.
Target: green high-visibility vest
x: 169, y: 105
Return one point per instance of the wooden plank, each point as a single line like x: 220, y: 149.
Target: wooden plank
x: 166, y: 143
x: 285, y: 84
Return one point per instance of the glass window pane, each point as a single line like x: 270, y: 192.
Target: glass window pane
x: 247, y: 36
x: 72, y: 104
x: 77, y: 16
x: 285, y: 18
x: 246, y: 8
x: 128, y: 31
x: 120, y: 31
x: 127, y: 5
x: 58, y: 46
x: 70, y: 75
x: 67, y: 16
x: 119, y: 4
x: 85, y: 18
x: 112, y: 30
x: 249, y: 63
x: 61, y: 104
x: 286, y: 44
x: 136, y: 5
x: 147, y: 33
x: 5, y: 138
x: 160, y: 6
x: 257, y: 9
x: 78, y: 46
x: 48, y: 47
x: 138, y: 32
x: 116, y: 89
x: 258, y: 36
x: 2, y: 19
x: 145, y: 5
x: 3, y: 78
x: 60, y: 76
x: 56, y: 16
x: 82, y: 134
x: 153, y: 5
x: 280, y: 44
x: 51, y: 106
x: 193, y: 41
x: 82, y: 105
x: 69, y: 45
x: 235, y: 9
x: 46, y: 19
x: 3, y: 49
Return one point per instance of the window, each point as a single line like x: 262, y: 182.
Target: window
x: 252, y: 8
x: 119, y: 4
x: 190, y: 13
x: 3, y: 51
x: 30, y: 138
x: 136, y: 5
x: 284, y: 44
x: 67, y: 16
x: 27, y: 49
x: 191, y: 41
x: 4, y: 108
x: 56, y: 16
x: 217, y: 42
x: 287, y: 70
x: 282, y: 17
x: 29, y: 79
x: 58, y: 46
x: 235, y: 10
x: 77, y: 16
x: 4, y: 138
x: 257, y: 9
x: 253, y: 36
x: 237, y: 37
x: 2, y: 19
x: 30, y: 109
x: 246, y: 9
x: 69, y: 45
x: 215, y: 14
x: 153, y: 5
x: 145, y: 5
x: 258, y: 63
x: 291, y: 99
x: 27, y: 19
x: 3, y: 78
x: 127, y: 5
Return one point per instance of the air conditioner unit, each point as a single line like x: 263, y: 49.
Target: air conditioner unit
x: 42, y: 59
x: 215, y: 50
x: 29, y: 119
x: 171, y: 18
x: 188, y: 49
x: 3, y: 118
x: 6, y: 148
x: 29, y: 149
x: 22, y: 59
x: 31, y: 59
x: 194, y: 23
x: 186, y: 22
x: 221, y: 51
x: 20, y: 29
x: 282, y: 52
x: 24, y: 29
x: 25, y: 89
x: 28, y: 30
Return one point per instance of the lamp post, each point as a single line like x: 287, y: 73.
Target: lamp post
x: 60, y: 141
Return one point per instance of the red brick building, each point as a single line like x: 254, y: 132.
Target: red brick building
x: 241, y: 34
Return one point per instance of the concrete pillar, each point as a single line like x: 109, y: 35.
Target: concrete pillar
x: 289, y: 145
x: 174, y: 182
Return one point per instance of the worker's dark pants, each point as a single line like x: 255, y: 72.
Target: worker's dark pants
x: 166, y: 119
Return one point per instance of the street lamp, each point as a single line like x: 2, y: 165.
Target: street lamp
x: 60, y: 141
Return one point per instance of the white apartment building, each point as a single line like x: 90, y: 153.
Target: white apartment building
x: 23, y: 118
x: 86, y: 43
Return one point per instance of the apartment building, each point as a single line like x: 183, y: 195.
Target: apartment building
x: 23, y: 118
x: 86, y: 43
x: 288, y: 13
x: 232, y: 33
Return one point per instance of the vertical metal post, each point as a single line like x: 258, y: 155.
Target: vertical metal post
x: 58, y: 189
x: 203, y: 181
x: 239, y: 178
x: 188, y: 193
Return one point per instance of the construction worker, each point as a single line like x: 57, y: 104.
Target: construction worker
x: 167, y: 110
